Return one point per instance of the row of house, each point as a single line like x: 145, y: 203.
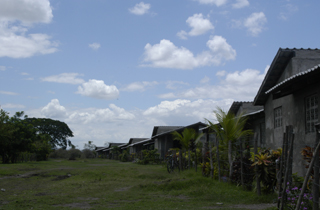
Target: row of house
x: 288, y: 95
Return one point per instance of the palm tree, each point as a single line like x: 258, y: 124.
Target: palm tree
x: 187, y: 138
x: 229, y: 129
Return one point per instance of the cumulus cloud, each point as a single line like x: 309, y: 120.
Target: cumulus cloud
x: 221, y: 73
x: 140, y: 9
x: 218, y: 3
x: 28, y: 11
x: 139, y: 86
x: 3, y: 68
x: 167, y: 55
x: 239, y: 85
x: 94, y: 46
x: 205, y: 79
x: 8, y: 93
x: 182, y: 34
x: 288, y: 11
x: 255, y: 23
x: 68, y: 78
x: 54, y: 110
x: 199, y: 25
x: 196, y: 110
x: 240, y: 4
x: 15, y: 19
x: 98, y: 89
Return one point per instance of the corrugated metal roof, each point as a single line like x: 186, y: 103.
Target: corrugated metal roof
x: 276, y: 69
x: 293, y: 77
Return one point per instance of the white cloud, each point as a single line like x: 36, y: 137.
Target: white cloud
x: 28, y: 11
x: 289, y: 10
x: 175, y: 84
x: 139, y: 86
x: 12, y: 106
x: 68, y: 78
x: 94, y: 46
x: 167, y: 55
x: 54, y: 110
x: 15, y: 19
x: 255, y: 23
x: 140, y: 9
x: 237, y: 85
x: 8, y: 93
x: 182, y: 34
x: 3, y: 68
x: 240, y: 4
x: 218, y: 3
x: 221, y: 73
x: 221, y: 49
x: 205, y: 79
x: 199, y: 25
x: 97, y: 89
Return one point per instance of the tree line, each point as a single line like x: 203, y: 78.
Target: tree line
x: 22, y: 137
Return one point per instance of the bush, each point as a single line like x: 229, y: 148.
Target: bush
x: 86, y: 153
x: 74, y: 153
x: 59, y: 154
x: 124, y: 157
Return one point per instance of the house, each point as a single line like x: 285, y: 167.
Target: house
x: 163, y: 140
x: 107, y: 150
x: 133, y: 146
x: 289, y: 94
x: 255, y: 121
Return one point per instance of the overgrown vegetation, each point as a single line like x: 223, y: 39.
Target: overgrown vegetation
x: 102, y: 183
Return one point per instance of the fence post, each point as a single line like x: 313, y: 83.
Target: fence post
x: 218, y: 159
x: 315, y: 186
x: 211, y: 164
x: 315, y: 153
x: 290, y: 137
x: 180, y: 160
x: 280, y: 173
x: 241, y: 162
x: 256, y: 167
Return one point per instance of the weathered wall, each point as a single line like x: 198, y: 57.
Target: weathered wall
x: 293, y: 113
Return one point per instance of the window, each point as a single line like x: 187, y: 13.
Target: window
x: 278, y: 117
x: 311, y: 113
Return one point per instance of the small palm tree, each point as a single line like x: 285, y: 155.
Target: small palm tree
x: 187, y: 138
x: 229, y: 129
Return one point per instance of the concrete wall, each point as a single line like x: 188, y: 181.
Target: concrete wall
x: 293, y: 113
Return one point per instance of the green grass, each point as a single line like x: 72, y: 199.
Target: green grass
x: 103, y: 184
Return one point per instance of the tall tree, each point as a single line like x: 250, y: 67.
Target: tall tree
x: 228, y: 130
x: 16, y: 136
x: 58, y: 131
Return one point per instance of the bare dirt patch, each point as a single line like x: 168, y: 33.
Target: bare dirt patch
x: 88, y: 199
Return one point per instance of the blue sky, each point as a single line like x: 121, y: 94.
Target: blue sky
x: 114, y: 69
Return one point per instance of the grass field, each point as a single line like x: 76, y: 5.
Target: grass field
x: 104, y: 184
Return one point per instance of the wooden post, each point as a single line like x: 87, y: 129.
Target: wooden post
x: 280, y: 173
x: 211, y: 162
x: 180, y: 160
x: 289, y: 131
x: 315, y: 153
x: 241, y: 162
x: 218, y: 159
x: 315, y: 186
x: 256, y: 167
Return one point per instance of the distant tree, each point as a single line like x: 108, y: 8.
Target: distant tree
x: 16, y: 136
x: 58, y: 131
x: 90, y: 146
